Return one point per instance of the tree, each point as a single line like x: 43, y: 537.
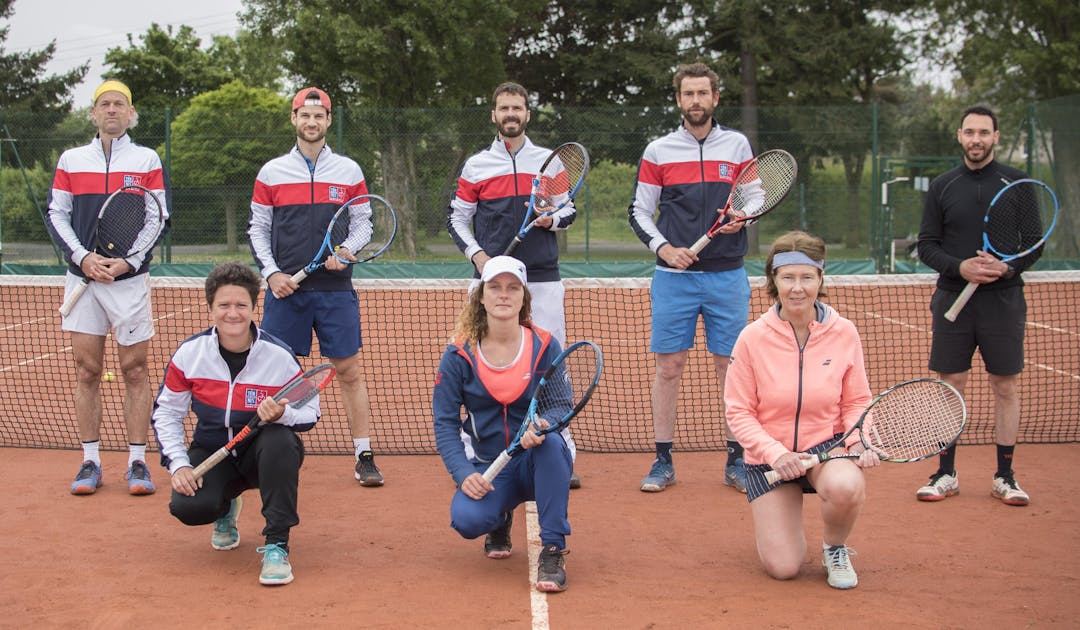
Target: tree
x: 219, y: 143
x: 26, y: 88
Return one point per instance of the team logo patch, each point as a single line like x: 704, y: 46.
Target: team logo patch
x: 253, y: 396
x: 336, y: 193
x: 132, y: 180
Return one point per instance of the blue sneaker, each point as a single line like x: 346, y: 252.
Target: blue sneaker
x: 661, y: 476
x: 275, y: 567
x: 226, y: 536
x: 138, y: 476
x: 88, y: 480
x: 735, y: 475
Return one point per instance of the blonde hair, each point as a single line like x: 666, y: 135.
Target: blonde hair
x: 472, y: 324
x: 794, y: 241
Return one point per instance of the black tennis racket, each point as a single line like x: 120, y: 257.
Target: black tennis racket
x: 1020, y: 218
x: 559, y: 179
x: 299, y: 391
x: 908, y: 422
x: 128, y: 225
x: 760, y: 187
x: 562, y: 393
x: 362, y: 229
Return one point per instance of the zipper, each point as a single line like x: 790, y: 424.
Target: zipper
x: 798, y: 403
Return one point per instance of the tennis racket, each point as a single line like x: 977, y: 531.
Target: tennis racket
x: 1020, y: 218
x: 761, y: 186
x: 908, y: 422
x: 562, y: 393
x: 554, y: 186
x: 298, y: 392
x: 128, y: 225
x: 363, y: 226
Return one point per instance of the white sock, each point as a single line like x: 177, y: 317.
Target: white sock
x: 136, y: 452
x: 361, y: 444
x: 91, y: 451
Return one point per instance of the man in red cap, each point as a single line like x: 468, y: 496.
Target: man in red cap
x: 294, y: 192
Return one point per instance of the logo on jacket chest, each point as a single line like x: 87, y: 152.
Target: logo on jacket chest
x: 337, y: 193
x: 132, y: 180
x: 253, y: 396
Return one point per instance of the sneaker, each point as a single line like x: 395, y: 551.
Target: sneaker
x: 575, y: 481
x: 550, y: 572
x: 226, y: 536
x: 837, y: 562
x: 367, y: 473
x: 1006, y: 489
x: 88, y: 480
x: 497, y: 545
x: 138, y: 476
x: 941, y: 486
x: 735, y: 475
x: 661, y: 476
x: 275, y: 567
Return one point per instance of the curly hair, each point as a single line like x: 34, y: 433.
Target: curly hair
x: 472, y: 324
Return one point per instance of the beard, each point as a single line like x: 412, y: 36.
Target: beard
x: 508, y: 131
x: 302, y: 135
x: 697, y: 118
x: 978, y: 155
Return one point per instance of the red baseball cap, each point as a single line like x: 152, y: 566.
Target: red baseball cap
x: 311, y: 96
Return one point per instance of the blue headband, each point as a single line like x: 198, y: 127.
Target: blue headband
x: 795, y: 258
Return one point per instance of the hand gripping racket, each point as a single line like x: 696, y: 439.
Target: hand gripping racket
x: 761, y: 186
x: 128, y: 225
x: 364, y: 226
x: 555, y: 185
x: 1020, y: 218
x: 908, y: 422
x: 298, y: 392
x: 562, y: 393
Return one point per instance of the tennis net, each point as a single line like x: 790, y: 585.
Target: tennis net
x: 406, y: 324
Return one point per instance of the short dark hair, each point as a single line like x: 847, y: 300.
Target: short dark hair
x: 509, y: 87
x: 234, y: 274
x: 696, y: 70
x: 979, y: 110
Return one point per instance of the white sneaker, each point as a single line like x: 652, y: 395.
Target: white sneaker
x: 941, y: 486
x: 1006, y: 489
x: 837, y: 562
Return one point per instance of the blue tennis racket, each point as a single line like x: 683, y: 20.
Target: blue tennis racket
x: 559, y: 179
x: 562, y: 393
x: 362, y: 229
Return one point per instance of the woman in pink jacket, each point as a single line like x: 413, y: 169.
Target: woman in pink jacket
x: 797, y: 382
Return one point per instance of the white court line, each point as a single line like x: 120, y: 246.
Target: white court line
x: 538, y: 599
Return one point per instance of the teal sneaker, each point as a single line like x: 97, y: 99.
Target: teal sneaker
x: 88, y: 480
x: 226, y: 536
x: 275, y: 567
x: 735, y: 475
x: 661, y: 475
x: 138, y: 476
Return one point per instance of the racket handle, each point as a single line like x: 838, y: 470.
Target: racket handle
x: 700, y: 244
x: 76, y: 293
x: 496, y: 467
x: 960, y: 302
x: 771, y: 476
x: 208, y: 463
x: 512, y: 246
x: 299, y: 276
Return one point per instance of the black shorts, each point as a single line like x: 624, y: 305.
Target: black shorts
x: 755, y: 474
x: 993, y: 321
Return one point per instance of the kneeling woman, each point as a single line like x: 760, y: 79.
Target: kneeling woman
x: 796, y: 384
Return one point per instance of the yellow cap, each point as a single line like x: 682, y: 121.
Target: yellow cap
x: 112, y: 85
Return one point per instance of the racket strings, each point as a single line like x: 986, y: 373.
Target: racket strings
x: 763, y: 183
x: 915, y: 420
x: 1019, y: 218
x: 568, y: 384
x: 561, y: 174
x: 129, y: 224
x: 369, y: 227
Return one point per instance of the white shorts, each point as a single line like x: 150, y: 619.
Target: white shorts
x: 547, y: 307
x: 122, y: 306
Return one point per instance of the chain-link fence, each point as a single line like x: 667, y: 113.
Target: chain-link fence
x: 863, y: 170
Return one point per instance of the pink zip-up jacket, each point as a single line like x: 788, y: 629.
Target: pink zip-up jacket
x: 780, y: 398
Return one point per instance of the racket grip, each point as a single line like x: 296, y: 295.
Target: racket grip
x: 700, y: 244
x: 299, y: 276
x: 771, y: 476
x: 76, y: 293
x: 496, y: 467
x: 512, y: 246
x: 960, y: 302
x: 208, y: 463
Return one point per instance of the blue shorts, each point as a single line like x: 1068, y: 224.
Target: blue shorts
x: 335, y: 316
x: 721, y: 297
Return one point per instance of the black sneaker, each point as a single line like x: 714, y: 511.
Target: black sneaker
x: 367, y: 473
x: 497, y: 545
x: 550, y: 574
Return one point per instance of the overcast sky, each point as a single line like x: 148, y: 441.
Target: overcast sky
x: 83, y: 31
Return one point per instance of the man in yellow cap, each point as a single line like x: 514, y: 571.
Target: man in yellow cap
x: 118, y: 298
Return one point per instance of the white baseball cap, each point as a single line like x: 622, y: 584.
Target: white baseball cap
x: 504, y: 264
